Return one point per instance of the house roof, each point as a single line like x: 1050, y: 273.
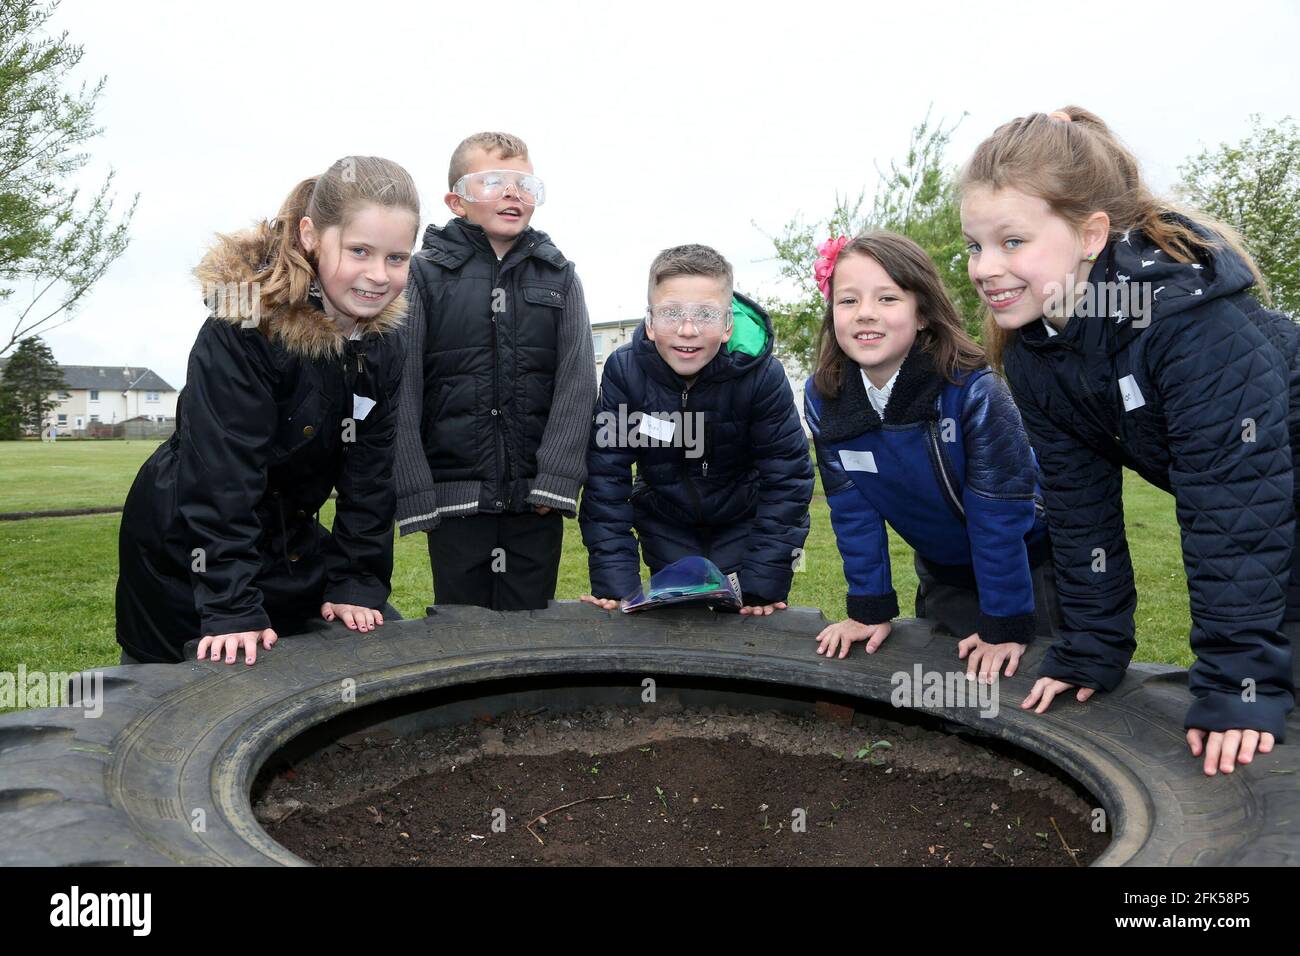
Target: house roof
x: 116, y: 378
x: 616, y: 323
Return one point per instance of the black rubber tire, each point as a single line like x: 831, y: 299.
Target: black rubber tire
x: 122, y: 789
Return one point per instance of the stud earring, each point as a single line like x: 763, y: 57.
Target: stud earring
x: 1093, y: 257
x: 314, y: 290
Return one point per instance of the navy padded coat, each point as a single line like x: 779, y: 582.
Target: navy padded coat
x: 1200, y: 395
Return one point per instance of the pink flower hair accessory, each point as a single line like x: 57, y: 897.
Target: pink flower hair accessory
x: 827, y: 253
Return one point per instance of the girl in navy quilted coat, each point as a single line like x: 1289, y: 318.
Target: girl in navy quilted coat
x: 1129, y: 339
x: 912, y: 428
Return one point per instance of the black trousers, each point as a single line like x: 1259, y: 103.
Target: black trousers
x: 506, y: 562
x: 949, y: 595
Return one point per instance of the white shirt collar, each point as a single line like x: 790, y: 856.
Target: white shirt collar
x: 1051, y: 329
x: 879, y: 397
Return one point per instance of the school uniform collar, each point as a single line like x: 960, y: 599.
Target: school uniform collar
x: 879, y: 397
x: 911, y: 399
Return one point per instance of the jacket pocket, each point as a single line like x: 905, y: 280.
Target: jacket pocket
x: 541, y: 295
x: 297, y: 428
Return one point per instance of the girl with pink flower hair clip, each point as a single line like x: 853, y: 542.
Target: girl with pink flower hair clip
x: 912, y: 429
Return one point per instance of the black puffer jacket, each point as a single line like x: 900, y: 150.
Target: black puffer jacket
x: 492, y: 342
x: 741, y: 492
x: 219, y: 533
x: 1201, y: 396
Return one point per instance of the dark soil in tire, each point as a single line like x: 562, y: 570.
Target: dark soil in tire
x: 695, y: 789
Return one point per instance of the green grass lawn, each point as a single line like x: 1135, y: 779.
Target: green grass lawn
x: 60, y: 573
x: 42, y: 476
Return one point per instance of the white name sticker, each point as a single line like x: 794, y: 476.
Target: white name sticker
x: 1130, y: 393
x: 858, y: 460
x: 657, y: 428
x: 361, y: 406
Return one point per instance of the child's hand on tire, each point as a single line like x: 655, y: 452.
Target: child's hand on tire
x: 987, y: 659
x: 609, y: 604
x: 357, y: 618
x: 843, y: 634
x: 231, y: 643
x: 1046, y: 688
x: 1226, y: 748
x: 763, y: 609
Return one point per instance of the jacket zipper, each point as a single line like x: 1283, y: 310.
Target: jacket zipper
x: 940, y: 462
x: 686, y: 468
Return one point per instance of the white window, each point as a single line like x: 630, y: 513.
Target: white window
x: 94, y: 418
x: 598, y: 344
x: 64, y: 396
x: 63, y: 419
x: 94, y: 394
x: 151, y: 396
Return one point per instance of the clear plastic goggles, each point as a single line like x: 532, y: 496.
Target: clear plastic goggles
x: 492, y: 184
x: 670, y: 316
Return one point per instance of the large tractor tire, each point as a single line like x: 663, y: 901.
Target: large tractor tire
x: 164, y: 775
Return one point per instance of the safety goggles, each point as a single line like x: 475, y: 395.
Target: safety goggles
x: 670, y: 316
x: 490, y: 185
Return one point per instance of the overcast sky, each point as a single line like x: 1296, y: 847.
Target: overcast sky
x: 652, y: 124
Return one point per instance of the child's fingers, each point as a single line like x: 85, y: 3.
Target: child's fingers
x: 966, y: 645
x: 1213, y: 746
x: 1195, y: 740
x: 846, y: 645
x: 1084, y: 694
x: 327, y: 611
x: 378, y: 617
x: 1228, y: 755
x: 1013, y: 661
x: 203, y: 646
x: 1249, y: 741
x: 781, y: 605
x: 269, y: 637
x: 1265, y: 742
x: 876, y: 640
x: 250, y: 647
x: 989, y: 666
x: 1050, y: 691
x: 1032, y: 697
x: 348, y: 619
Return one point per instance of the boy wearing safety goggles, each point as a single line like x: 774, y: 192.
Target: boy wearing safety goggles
x: 699, y: 404
x: 497, y: 389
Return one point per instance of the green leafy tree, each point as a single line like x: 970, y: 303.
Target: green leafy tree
x: 1255, y: 186
x: 917, y: 198
x: 30, y: 378
x: 51, y: 241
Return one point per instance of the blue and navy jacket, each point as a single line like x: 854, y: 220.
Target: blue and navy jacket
x: 751, y: 469
x: 1200, y: 395
x: 951, y: 470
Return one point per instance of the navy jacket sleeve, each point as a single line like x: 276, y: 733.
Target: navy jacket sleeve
x: 999, y: 501
x: 606, y: 513
x: 1083, y: 493
x: 785, y: 485
x: 859, y: 531
x: 359, y: 560
x: 223, y: 456
x: 1225, y: 396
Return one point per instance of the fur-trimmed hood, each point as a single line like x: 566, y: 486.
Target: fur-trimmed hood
x: 226, y: 274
